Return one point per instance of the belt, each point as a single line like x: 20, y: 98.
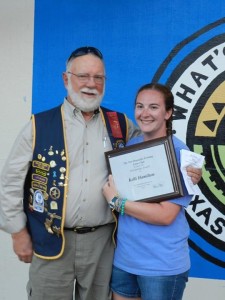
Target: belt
x: 82, y: 230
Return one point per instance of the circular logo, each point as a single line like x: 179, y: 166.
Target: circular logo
x: 54, y: 193
x: 195, y: 72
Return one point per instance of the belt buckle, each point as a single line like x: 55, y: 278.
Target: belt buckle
x: 76, y: 229
x: 81, y: 230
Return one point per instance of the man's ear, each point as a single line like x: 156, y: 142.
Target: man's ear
x: 65, y: 79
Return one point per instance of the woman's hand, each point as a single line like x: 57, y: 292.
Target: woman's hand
x: 195, y: 174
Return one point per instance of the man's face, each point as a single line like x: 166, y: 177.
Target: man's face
x: 87, y: 94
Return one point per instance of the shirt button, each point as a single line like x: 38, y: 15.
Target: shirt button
x: 86, y: 180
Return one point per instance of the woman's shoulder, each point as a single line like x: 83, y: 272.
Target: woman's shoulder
x: 135, y: 140
x: 179, y: 143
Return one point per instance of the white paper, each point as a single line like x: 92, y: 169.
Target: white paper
x: 142, y: 174
x: 190, y: 159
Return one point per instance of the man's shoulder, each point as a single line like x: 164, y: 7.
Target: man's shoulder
x: 48, y: 111
x: 105, y: 109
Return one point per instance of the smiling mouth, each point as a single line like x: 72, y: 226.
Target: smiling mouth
x: 89, y: 94
x: 146, y: 121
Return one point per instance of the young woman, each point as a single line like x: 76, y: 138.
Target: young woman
x: 151, y: 261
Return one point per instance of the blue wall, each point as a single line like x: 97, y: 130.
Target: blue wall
x: 140, y: 41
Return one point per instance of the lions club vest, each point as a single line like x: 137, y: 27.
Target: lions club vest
x: 46, y: 183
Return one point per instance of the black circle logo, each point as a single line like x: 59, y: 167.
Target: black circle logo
x: 195, y: 71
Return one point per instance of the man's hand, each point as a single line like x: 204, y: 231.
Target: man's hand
x: 109, y: 190
x: 195, y: 174
x: 22, y: 245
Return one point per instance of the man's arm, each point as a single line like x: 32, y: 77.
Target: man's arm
x: 133, y: 130
x: 13, y: 219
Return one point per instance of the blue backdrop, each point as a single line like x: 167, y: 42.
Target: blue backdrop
x: 141, y: 41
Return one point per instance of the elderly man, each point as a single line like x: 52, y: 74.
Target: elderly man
x: 51, y: 188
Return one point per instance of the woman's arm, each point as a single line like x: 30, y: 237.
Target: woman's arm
x: 162, y: 213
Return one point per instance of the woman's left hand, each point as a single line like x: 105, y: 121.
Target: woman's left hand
x: 195, y: 174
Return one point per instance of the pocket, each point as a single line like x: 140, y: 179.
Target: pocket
x: 29, y: 291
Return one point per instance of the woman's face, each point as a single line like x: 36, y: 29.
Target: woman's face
x: 151, y: 114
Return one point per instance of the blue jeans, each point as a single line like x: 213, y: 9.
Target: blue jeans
x: 148, y: 287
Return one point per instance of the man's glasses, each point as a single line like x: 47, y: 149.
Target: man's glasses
x: 85, y: 50
x: 84, y: 78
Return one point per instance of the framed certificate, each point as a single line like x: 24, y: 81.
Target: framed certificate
x: 147, y: 171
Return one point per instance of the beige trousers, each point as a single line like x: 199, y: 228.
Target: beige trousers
x: 84, y: 270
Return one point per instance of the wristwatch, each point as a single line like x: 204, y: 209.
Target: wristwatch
x: 112, y: 202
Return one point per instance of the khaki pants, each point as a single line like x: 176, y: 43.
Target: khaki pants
x: 83, y: 270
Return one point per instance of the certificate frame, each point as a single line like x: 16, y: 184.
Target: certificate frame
x: 147, y: 171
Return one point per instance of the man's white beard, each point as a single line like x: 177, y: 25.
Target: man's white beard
x: 79, y: 101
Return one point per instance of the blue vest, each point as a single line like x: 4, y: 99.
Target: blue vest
x: 46, y: 183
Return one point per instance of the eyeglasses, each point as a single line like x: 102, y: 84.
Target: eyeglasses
x: 85, y: 50
x: 84, y: 78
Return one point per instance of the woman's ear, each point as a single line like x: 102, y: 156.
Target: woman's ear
x: 168, y: 114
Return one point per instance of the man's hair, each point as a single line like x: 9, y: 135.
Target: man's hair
x: 84, y: 51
